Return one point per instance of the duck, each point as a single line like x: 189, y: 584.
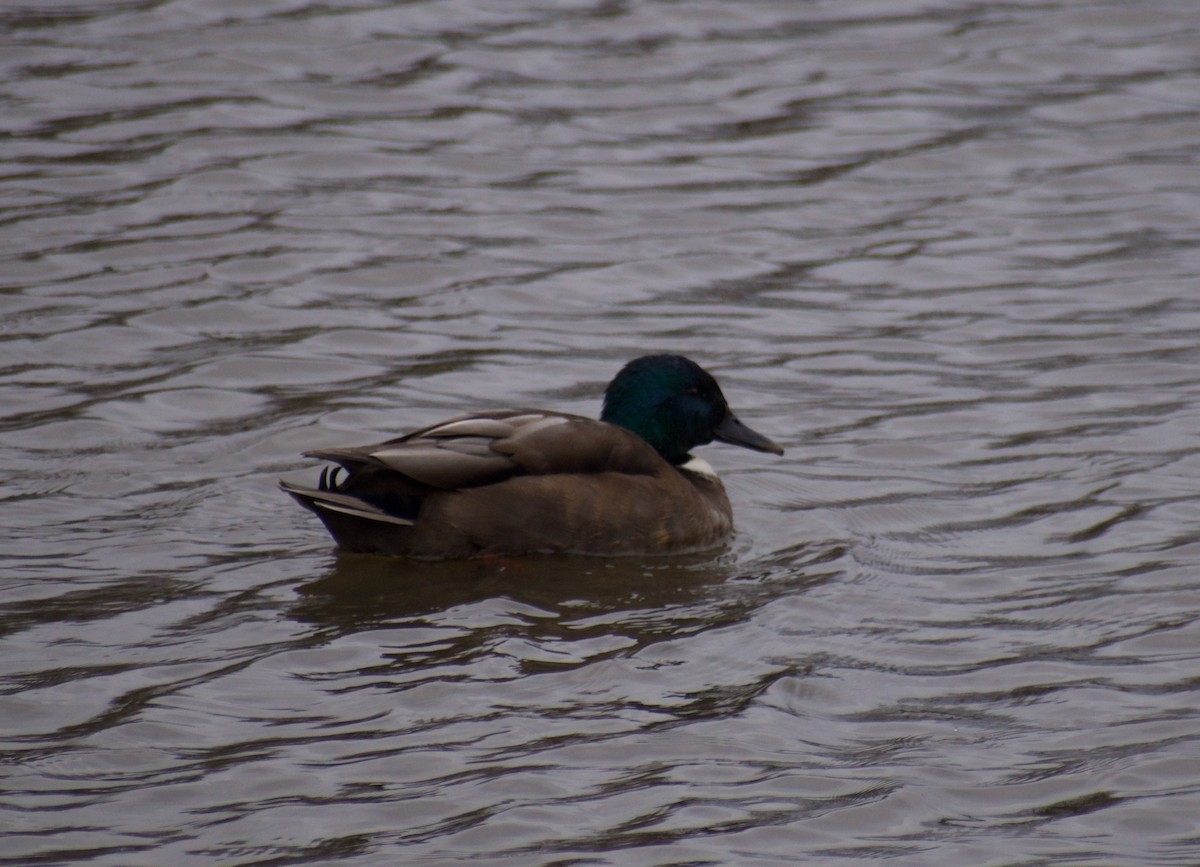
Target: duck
x: 529, y: 481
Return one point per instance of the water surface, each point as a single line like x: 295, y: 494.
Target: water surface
x: 947, y: 256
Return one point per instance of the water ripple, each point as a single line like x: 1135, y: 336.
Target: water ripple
x: 945, y: 255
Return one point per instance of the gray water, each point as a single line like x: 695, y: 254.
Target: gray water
x: 947, y: 253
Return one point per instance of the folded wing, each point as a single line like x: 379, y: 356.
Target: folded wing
x: 475, y: 450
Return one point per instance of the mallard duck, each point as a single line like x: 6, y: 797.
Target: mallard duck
x: 519, y: 481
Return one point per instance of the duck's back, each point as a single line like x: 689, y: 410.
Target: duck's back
x: 517, y: 481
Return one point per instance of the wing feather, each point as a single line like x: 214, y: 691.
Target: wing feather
x: 471, y: 451
x: 444, y: 465
x: 331, y: 501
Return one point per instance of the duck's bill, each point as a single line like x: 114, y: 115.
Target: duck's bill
x: 735, y: 433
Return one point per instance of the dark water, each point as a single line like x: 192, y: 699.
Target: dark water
x: 947, y: 253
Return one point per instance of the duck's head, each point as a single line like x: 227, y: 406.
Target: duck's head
x: 675, y: 405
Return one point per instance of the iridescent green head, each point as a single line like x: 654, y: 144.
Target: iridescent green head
x: 675, y: 405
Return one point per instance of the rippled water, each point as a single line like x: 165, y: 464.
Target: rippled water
x: 946, y: 253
